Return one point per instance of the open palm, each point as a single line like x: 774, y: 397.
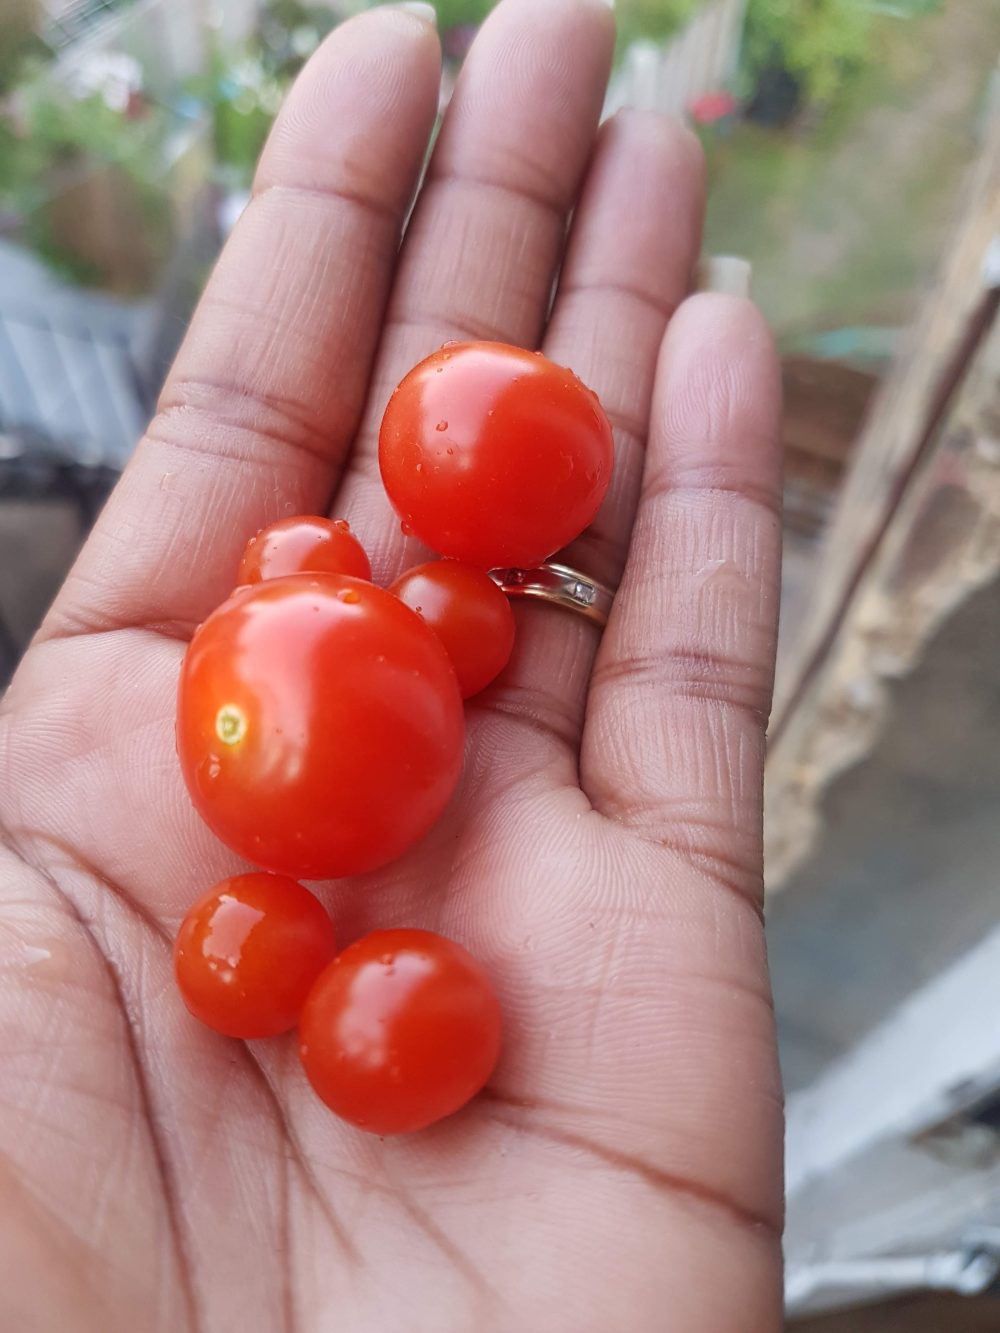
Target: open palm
x: 602, y: 857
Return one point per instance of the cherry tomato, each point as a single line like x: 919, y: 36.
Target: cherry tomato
x: 303, y: 545
x: 494, y: 455
x: 400, y: 1030
x: 248, y: 953
x: 468, y: 612
x: 319, y: 725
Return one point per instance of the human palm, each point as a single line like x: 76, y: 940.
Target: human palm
x: 602, y: 856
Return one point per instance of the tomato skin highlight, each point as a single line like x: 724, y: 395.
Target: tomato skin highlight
x: 494, y: 455
x: 401, y: 1030
x: 319, y: 727
x: 248, y: 953
x: 468, y: 612
x: 306, y: 544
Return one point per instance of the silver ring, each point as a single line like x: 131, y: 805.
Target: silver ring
x: 561, y: 585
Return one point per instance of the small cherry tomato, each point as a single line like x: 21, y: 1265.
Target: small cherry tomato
x: 307, y: 544
x: 494, y: 455
x: 400, y: 1030
x: 319, y: 725
x: 469, y: 613
x: 248, y: 953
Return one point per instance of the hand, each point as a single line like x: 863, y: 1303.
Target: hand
x: 603, y: 857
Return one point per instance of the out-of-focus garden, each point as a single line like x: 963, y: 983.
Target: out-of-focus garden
x: 837, y: 134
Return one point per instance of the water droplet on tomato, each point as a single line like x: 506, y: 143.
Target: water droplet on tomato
x: 442, y: 425
x: 406, y: 529
x: 350, y: 596
x: 386, y: 958
x: 420, y: 467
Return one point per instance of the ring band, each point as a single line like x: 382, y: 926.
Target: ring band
x: 561, y: 585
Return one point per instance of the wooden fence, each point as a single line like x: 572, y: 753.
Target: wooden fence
x: 700, y: 59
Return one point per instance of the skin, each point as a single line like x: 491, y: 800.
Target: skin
x: 603, y: 855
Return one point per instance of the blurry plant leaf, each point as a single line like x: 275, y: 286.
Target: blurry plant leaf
x: 818, y: 42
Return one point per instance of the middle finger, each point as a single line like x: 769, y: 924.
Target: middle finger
x: 486, y: 237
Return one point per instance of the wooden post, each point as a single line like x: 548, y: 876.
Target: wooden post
x: 917, y: 528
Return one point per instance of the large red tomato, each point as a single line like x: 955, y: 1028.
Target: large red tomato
x: 494, y: 455
x: 319, y: 725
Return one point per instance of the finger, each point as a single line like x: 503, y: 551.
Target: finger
x: 674, y: 738
x: 485, y: 241
x: 633, y: 246
x: 264, y: 398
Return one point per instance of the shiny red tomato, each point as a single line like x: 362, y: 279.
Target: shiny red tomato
x: 400, y: 1030
x: 494, y: 455
x: 319, y: 725
x: 248, y: 953
x: 307, y: 544
x: 468, y: 612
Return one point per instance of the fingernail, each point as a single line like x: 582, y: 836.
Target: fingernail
x: 725, y: 273
x: 422, y: 11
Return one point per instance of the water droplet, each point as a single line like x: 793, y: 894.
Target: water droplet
x: 420, y: 467
x: 342, y: 525
x: 447, y: 356
x: 442, y: 425
x: 406, y: 529
x: 490, y: 412
x: 386, y: 958
x: 350, y: 596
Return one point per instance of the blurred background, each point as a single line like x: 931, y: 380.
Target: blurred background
x: 854, y: 158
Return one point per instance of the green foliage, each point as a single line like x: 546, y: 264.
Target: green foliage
x: 819, y: 42
x: 458, y: 13
x: 652, y: 20
x: 61, y: 130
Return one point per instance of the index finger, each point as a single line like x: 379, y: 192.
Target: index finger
x: 260, y: 408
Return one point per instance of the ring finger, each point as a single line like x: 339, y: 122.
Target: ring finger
x: 626, y: 269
